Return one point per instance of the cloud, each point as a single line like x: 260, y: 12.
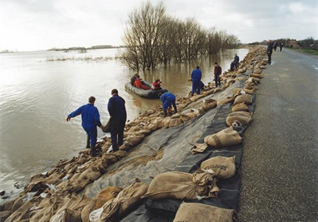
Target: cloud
x: 38, y: 24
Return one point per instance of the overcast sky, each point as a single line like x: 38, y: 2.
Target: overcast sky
x: 43, y: 24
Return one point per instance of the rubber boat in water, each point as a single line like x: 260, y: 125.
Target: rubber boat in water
x: 150, y: 94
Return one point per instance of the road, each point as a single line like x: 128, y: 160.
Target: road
x: 280, y: 156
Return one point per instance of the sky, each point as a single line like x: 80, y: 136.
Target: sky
x: 27, y: 25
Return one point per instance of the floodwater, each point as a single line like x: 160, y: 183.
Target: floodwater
x: 36, y: 95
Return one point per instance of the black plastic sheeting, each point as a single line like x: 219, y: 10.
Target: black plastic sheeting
x: 165, y: 210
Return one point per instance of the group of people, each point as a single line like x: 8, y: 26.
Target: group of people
x: 91, y: 120
x: 196, y: 75
x: 136, y: 81
x: 273, y: 45
x: 117, y: 110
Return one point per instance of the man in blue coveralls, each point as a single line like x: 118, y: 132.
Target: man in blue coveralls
x: 196, y: 80
x: 117, y: 111
x: 90, y: 119
x: 168, y: 100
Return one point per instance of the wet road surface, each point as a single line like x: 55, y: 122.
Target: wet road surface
x: 280, y: 156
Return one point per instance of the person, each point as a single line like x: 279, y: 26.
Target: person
x: 236, y: 61
x: 232, y: 66
x: 139, y: 84
x: 269, y: 51
x: 168, y: 100
x: 217, y: 73
x: 275, y: 45
x: 90, y: 119
x: 156, y: 84
x: 196, y: 76
x: 202, y: 86
x: 281, y: 46
x: 117, y: 111
x: 132, y: 80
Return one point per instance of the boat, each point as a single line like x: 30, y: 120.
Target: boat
x: 150, y: 94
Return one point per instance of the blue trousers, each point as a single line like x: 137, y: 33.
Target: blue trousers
x: 92, y: 136
x: 117, y: 136
x: 196, y: 87
x: 168, y: 103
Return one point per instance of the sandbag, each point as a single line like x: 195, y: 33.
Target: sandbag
x: 176, y: 116
x: 192, y: 114
x: 175, y: 122
x: 202, y: 213
x: 226, y: 137
x: 240, y: 107
x: 248, y: 91
x: 257, y: 71
x: 223, y: 167
x: 134, y: 140
x: 227, y: 100
x: 198, y: 148
x: 4, y: 215
x: 66, y: 215
x: 180, y: 185
x: 128, y: 199
x: 166, y: 122
x: 216, y: 90
x: 244, y: 118
x: 246, y: 98
x: 209, y: 104
x: 107, y: 194
x: 259, y: 76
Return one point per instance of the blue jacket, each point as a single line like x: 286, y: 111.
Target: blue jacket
x: 117, y: 110
x: 196, y: 75
x: 90, y: 116
x: 167, y: 96
x: 236, y: 59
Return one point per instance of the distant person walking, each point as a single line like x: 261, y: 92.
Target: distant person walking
x: 275, y: 45
x: 269, y: 51
x: 281, y: 46
x: 196, y: 76
x: 117, y: 111
x: 217, y: 73
x: 90, y: 119
x: 168, y: 100
x: 236, y: 61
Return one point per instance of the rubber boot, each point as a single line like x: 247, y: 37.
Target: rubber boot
x: 88, y: 142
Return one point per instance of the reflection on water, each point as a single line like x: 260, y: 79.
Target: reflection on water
x: 37, y: 95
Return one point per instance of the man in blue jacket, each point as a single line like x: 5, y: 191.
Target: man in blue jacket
x: 168, y: 100
x: 90, y: 119
x: 117, y: 111
x: 196, y: 80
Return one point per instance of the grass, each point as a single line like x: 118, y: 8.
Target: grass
x: 307, y: 51
x: 310, y: 51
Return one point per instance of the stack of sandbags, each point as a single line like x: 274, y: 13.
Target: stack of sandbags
x: 241, y: 117
x: 203, y: 213
x: 226, y: 137
x: 180, y: 185
x: 223, y: 167
x: 209, y: 104
x: 114, y: 209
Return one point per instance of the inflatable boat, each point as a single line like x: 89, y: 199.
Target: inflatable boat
x: 150, y: 94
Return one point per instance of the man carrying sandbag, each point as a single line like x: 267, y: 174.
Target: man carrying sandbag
x: 168, y: 100
x: 117, y: 111
x: 90, y: 119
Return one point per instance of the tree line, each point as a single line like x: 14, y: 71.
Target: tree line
x: 153, y: 38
